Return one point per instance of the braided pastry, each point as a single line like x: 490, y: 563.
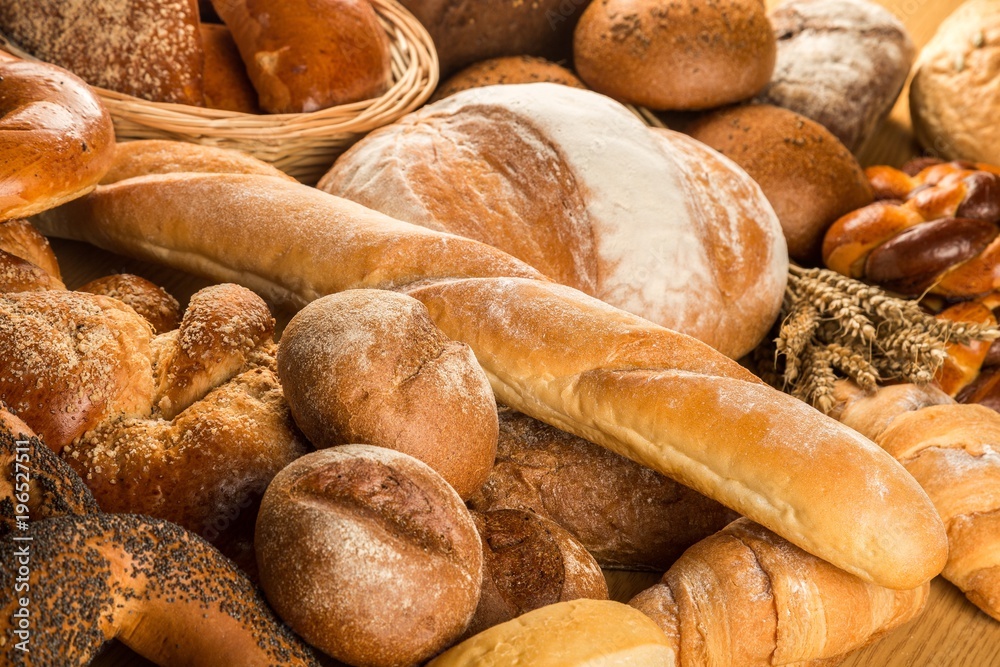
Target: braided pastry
x: 648, y: 393
x: 933, y: 230
x: 162, y: 591
x: 189, y: 425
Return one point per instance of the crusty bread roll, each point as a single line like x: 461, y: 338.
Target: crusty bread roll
x: 841, y: 63
x: 155, y: 304
x: 146, y: 48
x: 575, y: 185
x: 369, y: 555
x: 675, y: 54
x: 578, y: 485
x: 529, y: 562
x: 369, y: 366
x: 305, y: 55
x: 809, y: 177
x: 227, y: 85
x: 21, y: 239
x: 467, y: 31
x: 656, y: 396
x: 590, y: 633
x: 955, y: 92
x: 157, y: 156
x: 511, y: 69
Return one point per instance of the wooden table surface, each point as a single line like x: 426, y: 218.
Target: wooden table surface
x: 950, y: 633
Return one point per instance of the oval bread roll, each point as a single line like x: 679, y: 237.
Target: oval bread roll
x: 583, y: 633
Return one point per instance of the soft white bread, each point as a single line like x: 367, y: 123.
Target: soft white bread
x: 648, y: 393
x: 581, y: 633
x: 572, y: 183
x: 746, y: 597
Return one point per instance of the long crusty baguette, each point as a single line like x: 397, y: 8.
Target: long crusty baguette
x: 653, y: 395
x: 746, y: 597
x: 953, y: 451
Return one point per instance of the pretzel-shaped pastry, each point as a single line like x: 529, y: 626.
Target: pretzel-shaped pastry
x: 934, y: 231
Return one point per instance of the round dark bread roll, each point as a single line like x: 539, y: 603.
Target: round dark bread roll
x: 369, y: 555
x: 530, y: 562
x: 841, y: 63
x: 578, y: 485
x: 810, y: 178
x: 467, y: 31
x: 42, y: 486
x: 162, y: 591
x: 679, y: 54
x: 511, y: 69
x: 369, y: 366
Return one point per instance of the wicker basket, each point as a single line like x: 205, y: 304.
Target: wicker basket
x: 305, y: 144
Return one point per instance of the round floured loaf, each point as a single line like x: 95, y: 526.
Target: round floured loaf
x: 572, y: 183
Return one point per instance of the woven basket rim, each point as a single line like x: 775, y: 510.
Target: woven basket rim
x: 415, y: 70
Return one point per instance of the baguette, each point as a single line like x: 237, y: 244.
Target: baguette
x: 655, y: 396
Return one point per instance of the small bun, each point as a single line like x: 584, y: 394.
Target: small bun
x: 682, y: 54
x: 306, y: 55
x: 530, y: 562
x: 512, y: 69
x: 369, y: 366
x: 21, y: 239
x: 227, y: 85
x: 154, y: 303
x: 595, y: 633
x: 807, y: 175
x: 368, y: 555
x: 955, y: 92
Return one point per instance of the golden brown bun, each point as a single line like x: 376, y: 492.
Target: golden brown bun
x: 688, y: 241
x: 658, y: 397
x: 72, y: 361
x: 530, y: 562
x: 369, y: 555
x: 53, y: 489
x: 56, y: 138
x: 955, y: 91
x: 146, y: 48
x: 305, y: 55
x: 687, y: 54
x: 160, y: 590
x: 467, y: 31
x: 21, y: 239
x: 227, y: 85
x: 841, y: 63
x: 151, y: 301
x: 595, y: 633
x: 511, y: 69
x: 746, y: 597
x: 369, y: 366
x: 156, y: 156
x: 578, y: 484
x: 809, y: 177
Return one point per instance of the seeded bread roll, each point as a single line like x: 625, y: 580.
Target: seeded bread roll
x: 810, y: 178
x: 840, y: 62
x: 369, y: 366
x: 578, y: 485
x: 680, y: 54
x: 530, y: 562
x: 513, y: 69
x: 955, y: 92
x: 369, y: 555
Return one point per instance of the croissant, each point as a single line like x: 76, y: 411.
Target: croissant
x: 933, y: 231
x: 952, y: 451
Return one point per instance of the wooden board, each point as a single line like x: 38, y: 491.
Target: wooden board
x: 951, y: 633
